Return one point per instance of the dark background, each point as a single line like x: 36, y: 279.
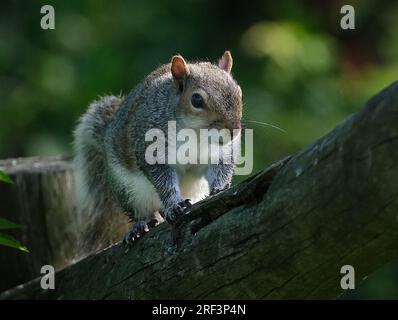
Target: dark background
x: 297, y: 68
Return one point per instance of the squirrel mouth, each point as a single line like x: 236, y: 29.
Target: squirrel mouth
x: 228, y: 136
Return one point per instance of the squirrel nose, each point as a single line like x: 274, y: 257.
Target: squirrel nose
x: 233, y: 125
x: 230, y: 125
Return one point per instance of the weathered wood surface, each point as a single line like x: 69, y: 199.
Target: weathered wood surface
x: 284, y: 233
x: 41, y: 200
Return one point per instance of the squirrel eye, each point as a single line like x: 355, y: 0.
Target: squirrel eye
x: 197, y: 100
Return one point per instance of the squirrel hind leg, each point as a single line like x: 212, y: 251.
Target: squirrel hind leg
x: 140, y: 227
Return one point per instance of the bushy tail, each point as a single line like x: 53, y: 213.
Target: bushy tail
x: 100, y: 220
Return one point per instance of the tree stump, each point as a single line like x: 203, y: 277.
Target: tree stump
x: 41, y: 199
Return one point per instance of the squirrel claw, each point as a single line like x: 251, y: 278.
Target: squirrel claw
x: 138, y: 230
x: 172, y: 214
x: 187, y: 203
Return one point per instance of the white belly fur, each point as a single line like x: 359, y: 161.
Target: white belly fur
x: 145, y: 199
x: 193, y: 187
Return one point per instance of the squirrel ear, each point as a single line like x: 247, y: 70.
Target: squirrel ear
x: 179, y: 68
x: 226, y: 61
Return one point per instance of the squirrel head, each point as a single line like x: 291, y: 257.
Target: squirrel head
x: 209, y: 97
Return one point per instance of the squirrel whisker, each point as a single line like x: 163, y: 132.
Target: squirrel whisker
x: 264, y: 124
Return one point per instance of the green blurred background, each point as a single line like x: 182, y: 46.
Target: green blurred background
x: 297, y: 68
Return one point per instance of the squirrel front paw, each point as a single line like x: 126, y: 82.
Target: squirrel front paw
x: 173, y: 213
x: 138, y: 230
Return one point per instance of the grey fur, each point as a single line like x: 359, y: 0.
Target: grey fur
x: 110, y: 146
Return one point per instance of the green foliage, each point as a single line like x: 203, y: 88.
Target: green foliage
x: 10, y: 241
x: 5, y: 178
x: 7, y: 224
x: 6, y: 239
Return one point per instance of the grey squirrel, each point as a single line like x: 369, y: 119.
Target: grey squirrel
x: 111, y: 174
